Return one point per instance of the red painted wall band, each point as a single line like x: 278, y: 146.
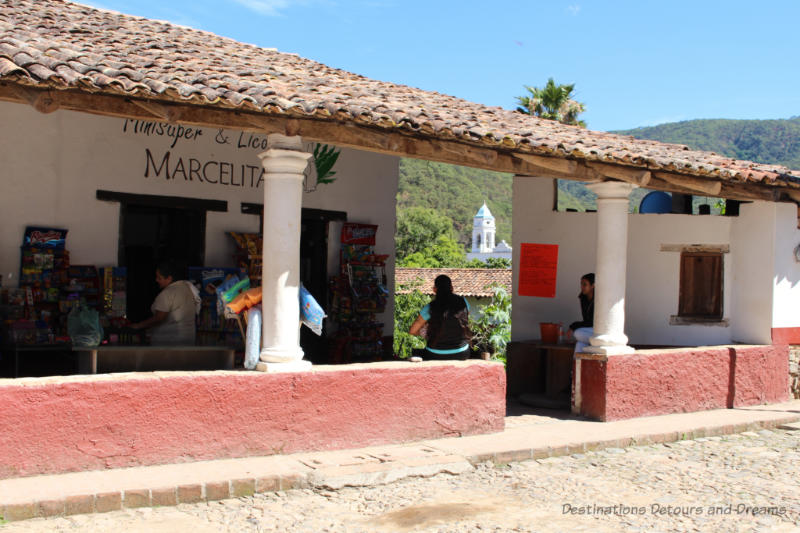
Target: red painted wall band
x: 786, y: 335
x: 102, y: 422
x: 678, y: 381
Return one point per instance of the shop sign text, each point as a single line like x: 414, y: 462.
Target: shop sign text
x: 191, y: 169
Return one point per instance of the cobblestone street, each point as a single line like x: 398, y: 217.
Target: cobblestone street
x: 742, y: 482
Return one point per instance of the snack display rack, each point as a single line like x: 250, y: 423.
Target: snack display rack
x: 35, y: 312
x: 248, y: 255
x: 358, y: 293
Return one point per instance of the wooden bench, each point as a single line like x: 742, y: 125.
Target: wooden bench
x: 150, y: 358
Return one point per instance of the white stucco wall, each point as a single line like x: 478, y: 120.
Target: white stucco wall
x: 52, y: 165
x: 786, y: 290
x: 653, y: 276
x: 753, y: 248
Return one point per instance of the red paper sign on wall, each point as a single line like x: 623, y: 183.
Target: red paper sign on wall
x: 538, y: 265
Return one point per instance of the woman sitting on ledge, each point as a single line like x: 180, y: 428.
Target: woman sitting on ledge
x: 447, y: 320
x: 584, y: 329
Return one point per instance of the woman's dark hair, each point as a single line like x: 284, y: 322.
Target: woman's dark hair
x: 589, y: 277
x: 171, y: 268
x: 446, y: 303
x: 444, y: 287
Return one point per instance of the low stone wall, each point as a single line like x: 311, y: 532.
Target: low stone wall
x: 794, y: 371
x: 655, y: 382
x: 52, y: 425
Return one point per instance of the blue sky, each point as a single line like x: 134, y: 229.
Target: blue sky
x: 634, y: 63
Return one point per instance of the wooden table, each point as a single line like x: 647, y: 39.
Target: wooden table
x: 540, y: 368
x: 150, y: 358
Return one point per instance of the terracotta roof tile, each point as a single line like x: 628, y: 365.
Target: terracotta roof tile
x: 466, y: 281
x: 53, y: 43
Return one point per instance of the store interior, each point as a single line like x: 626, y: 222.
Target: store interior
x: 40, y: 313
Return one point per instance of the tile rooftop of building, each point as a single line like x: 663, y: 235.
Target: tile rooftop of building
x: 53, y: 44
x: 466, y: 281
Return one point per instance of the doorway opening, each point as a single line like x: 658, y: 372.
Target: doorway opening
x: 156, y: 228
x: 150, y: 234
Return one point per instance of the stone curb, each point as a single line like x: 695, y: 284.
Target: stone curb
x: 527, y: 454
x: 155, y: 497
x: 366, y: 474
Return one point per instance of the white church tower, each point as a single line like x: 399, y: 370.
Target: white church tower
x: 483, y: 232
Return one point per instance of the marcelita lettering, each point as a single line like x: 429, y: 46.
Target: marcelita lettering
x: 190, y: 169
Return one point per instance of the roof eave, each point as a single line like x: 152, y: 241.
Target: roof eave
x: 402, y: 140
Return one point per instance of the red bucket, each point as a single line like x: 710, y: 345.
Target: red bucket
x: 550, y: 331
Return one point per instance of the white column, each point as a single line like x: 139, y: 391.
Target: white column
x: 284, y: 163
x: 612, y: 252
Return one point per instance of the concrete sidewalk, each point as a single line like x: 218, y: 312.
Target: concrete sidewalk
x: 529, y: 434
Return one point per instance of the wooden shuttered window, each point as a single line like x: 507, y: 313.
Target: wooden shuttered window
x: 701, y: 285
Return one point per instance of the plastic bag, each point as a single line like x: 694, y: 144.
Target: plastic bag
x: 83, y: 327
x: 311, y: 314
x: 253, y: 345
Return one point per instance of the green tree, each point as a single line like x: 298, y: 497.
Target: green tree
x: 491, y: 262
x: 418, y: 228
x: 553, y: 102
x: 457, y: 193
x: 444, y: 252
x: 406, y: 310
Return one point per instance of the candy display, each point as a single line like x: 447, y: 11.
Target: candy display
x: 114, y: 289
x: 358, y: 293
x: 50, y: 288
x: 248, y: 254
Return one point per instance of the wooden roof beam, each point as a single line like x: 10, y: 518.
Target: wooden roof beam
x: 159, y: 111
x: 372, y: 138
x: 41, y: 101
x: 637, y: 176
x: 707, y: 187
x: 553, y: 164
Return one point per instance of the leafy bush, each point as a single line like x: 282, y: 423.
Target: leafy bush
x: 406, y: 310
x: 491, y: 324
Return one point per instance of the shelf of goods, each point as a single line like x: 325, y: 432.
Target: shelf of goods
x: 358, y: 294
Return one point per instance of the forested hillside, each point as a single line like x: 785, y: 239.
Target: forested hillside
x: 764, y: 141
x: 458, y: 192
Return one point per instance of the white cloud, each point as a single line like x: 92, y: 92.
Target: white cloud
x: 574, y: 9
x: 270, y: 8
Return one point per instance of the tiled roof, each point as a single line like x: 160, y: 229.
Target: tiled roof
x: 466, y: 281
x: 60, y: 45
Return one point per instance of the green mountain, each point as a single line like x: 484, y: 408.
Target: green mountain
x: 457, y: 192
x: 764, y: 141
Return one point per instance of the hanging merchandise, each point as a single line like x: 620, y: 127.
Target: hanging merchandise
x: 213, y: 329
x: 252, y: 349
x: 311, y: 313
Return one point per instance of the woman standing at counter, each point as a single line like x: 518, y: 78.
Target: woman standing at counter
x: 174, y: 309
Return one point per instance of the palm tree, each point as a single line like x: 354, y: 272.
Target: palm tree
x: 553, y: 102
